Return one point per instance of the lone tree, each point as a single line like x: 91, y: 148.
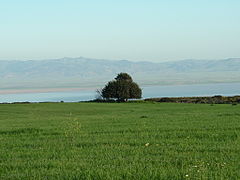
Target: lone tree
x: 122, y: 89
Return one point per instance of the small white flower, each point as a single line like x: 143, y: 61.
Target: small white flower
x: 147, y: 144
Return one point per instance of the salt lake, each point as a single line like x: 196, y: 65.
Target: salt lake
x: 225, y: 89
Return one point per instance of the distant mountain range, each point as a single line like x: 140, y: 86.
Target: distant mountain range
x: 86, y: 72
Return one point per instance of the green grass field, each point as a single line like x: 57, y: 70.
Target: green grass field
x: 119, y: 141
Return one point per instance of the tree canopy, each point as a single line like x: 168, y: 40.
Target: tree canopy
x: 122, y: 88
x: 123, y: 76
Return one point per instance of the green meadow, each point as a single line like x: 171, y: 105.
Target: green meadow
x: 119, y: 141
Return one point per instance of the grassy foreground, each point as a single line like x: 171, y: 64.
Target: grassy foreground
x: 119, y: 141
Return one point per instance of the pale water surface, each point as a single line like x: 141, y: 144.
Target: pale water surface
x: 225, y: 89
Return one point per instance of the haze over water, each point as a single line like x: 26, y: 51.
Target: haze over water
x: 225, y: 89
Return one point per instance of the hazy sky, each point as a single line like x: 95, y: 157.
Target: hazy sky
x: 154, y: 30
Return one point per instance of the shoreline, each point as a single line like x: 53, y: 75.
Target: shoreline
x: 69, y: 89
x: 44, y: 90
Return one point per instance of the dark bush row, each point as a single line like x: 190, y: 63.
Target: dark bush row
x: 199, y: 100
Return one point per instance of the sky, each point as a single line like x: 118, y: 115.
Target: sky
x: 138, y: 30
